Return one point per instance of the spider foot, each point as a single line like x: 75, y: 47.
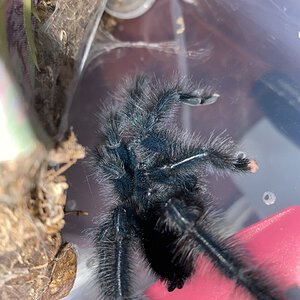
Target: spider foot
x: 253, y: 166
x: 199, y: 97
x: 176, y: 283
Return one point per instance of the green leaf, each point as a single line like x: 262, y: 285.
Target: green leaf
x: 35, y: 13
x: 3, y: 36
x: 28, y: 29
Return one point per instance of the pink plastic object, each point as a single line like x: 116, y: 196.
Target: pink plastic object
x: 274, y: 242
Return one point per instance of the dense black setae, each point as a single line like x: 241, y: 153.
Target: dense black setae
x: 156, y: 174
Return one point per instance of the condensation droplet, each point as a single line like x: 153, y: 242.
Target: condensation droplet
x: 71, y: 204
x: 241, y: 155
x: 91, y: 262
x: 269, y: 198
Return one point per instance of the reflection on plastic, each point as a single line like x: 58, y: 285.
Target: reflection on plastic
x: 128, y: 9
x: 106, y: 42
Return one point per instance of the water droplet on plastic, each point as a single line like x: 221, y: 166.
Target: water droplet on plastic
x: 241, y: 155
x: 91, y: 262
x: 269, y: 198
x: 71, y: 204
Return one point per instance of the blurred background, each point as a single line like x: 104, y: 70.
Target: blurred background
x: 245, y: 50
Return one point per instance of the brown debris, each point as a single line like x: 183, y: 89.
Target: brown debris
x: 33, y: 264
x: 63, y: 268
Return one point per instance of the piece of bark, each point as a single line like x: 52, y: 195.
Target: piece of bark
x: 33, y: 262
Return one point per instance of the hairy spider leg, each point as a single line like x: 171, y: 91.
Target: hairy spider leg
x: 131, y: 179
x: 115, y: 159
x: 116, y: 235
x: 219, y: 152
x: 146, y: 122
x: 189, y: 234
x: 143, y: 118
x: 118, y: 164
x: 115, y: 242
x: 176, y: 231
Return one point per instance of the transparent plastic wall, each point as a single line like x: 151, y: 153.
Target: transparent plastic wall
x: 63, y: 37
x: 246, y: 51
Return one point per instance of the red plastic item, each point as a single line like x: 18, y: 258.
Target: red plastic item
x: 274, y: 242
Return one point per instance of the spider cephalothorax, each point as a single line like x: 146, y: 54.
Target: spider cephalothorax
x: 157, y: 176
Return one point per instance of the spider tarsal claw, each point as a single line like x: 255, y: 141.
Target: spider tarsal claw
x: 202, y: 100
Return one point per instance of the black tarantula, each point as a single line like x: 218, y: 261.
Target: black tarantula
x: 157, y: 174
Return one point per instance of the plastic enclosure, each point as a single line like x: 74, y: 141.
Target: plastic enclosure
x: 248, y: 52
